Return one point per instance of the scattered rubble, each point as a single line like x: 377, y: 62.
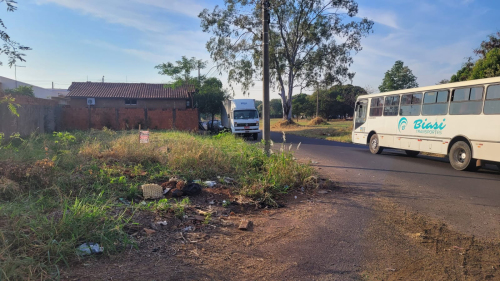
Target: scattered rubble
x: 191, y: 189
x: 245, y: 224
x: 89, y: 248
x: 152, y: 191
x: 149, y: 231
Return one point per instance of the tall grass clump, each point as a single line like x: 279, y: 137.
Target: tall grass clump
x: 58, y: 191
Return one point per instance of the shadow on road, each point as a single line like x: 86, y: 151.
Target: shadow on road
x: 409, y: 172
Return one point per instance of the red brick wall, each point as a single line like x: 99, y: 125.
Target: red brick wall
x: 77, y: 118
x: 160, y: 119
x: 186, y: 120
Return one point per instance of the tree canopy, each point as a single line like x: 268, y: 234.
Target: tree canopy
x: 488, y: 64
x: 209, y: 91
x: 12, y: 49
x: 335, y: 101
x: 399, y: 77
x: 21, y: 91
x: 310, y: 41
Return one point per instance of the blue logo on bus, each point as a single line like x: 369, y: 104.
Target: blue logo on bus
x: 402, y: 124
x: 423, y: 126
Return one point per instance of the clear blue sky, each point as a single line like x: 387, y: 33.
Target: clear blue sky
x: 124, y: 39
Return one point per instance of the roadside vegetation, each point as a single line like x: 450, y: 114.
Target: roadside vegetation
x: 333, y: 130
x: 62, y: 190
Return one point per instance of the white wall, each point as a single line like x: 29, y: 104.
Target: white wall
x: 39, y: 92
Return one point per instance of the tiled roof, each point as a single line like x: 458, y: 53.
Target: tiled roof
x: 128, y: 90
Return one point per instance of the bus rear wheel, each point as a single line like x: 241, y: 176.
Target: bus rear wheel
x: 412, y: 153
x: 461, y: 157
x: 375, y: 147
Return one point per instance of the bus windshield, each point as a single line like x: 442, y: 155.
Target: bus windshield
x: 246, y: 114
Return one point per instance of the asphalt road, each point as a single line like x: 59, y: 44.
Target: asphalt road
x: 468, y: 202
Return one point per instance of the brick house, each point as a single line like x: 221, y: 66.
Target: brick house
x: 123, y: 106
x: 130, y: 95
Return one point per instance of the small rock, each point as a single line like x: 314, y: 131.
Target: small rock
x: 191, y: 189
x: 188, y: 228
x: 177, y: 193
x: 322, y: 191
x: 149, y: 231
x: 245, y: 224
x: 211, y: 202
x: 163, y: 223
x: 199, y: 218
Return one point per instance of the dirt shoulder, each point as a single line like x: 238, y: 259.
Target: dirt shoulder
x: 339, y: 234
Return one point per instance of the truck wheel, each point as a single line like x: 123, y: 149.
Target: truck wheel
x: 412, y: 153
x: 255, y: 136
x: 375, y: 147
x: 461, y: 157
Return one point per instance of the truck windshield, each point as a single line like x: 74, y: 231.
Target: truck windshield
x: 246, y: 114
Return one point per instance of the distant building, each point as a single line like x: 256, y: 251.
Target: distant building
x: 42, y: 93
x: 129, y: 95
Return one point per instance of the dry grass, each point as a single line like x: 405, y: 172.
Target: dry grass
x: 58, y: 191
x: 335, y: 130
x: 317, y: 121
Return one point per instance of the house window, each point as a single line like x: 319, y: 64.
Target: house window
x: 130, y: 102
x: 188, y: 104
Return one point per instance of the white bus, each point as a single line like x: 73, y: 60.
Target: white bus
x: 461, y: 120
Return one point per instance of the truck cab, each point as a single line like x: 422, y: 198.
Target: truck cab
x: 241, y: 117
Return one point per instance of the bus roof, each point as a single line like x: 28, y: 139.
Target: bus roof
x: 437, y: 87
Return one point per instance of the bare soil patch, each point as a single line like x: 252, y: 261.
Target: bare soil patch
x: 410, y: 246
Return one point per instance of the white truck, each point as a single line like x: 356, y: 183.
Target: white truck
x: 241, y: 117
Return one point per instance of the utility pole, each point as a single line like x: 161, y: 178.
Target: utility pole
x: 15, y: 72
x: 317, y: 100
x: 265, y: 79
x: 52, y: 85
x: 103, y: 79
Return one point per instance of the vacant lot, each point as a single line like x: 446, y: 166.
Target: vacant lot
x: 60, y: 191
x: 334, y: 130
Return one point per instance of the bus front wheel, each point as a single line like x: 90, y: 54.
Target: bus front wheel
x: 375, y: 147
x: 461, y: 157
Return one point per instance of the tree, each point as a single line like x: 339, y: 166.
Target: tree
x: 301, y: 104
x: 493, y: 42
x: 348, y: 94
x: 444, y: 81
x: 258, y: 105
x: 276, y: 107
x: 464, y: 73
x: 21, y: 91
x: 399, y: 77
x: 210, y: 96
x: 209, y: 91
x: 13, y: 50
x: 310, y: 41
x: 181, y: 71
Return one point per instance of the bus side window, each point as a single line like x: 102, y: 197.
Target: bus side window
x: 376, y: 106
x: 492, y: 103
x: 391, y: 107
x: 467, y: 101
x: 411, y: 105
x: 435, y: 103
